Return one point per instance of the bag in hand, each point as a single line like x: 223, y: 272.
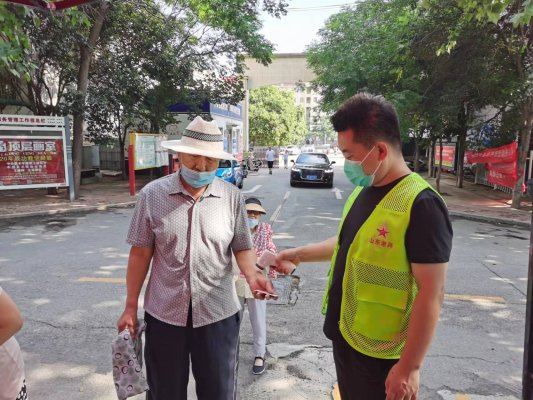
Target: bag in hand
x: 127, y: 364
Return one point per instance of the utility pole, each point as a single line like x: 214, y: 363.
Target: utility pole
x: 527, y: 374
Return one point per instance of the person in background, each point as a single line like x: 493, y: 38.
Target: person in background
x: 12, y: 382
x: 270, y: 156
x: 286, y: 159
x: 262, y: 240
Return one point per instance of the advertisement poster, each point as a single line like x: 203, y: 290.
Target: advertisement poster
x: 32, y: 161
x: 448, y: 156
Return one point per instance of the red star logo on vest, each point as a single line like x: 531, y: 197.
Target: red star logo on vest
x: 383, y: 231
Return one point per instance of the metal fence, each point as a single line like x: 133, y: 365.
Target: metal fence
x: 481, y: 178
x: 110, y: 158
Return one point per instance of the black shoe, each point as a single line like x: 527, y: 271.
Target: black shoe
x: 259, y: 366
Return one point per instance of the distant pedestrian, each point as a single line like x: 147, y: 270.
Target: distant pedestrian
x: 262, y: 240
x: 186, y: 226
x: 12, y: 383
x: 270, y: 156
x: 286, y: 159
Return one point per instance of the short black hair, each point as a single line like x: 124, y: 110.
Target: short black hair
x: 371, y: 117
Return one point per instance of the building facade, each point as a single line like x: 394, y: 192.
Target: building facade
x: 289, y: 72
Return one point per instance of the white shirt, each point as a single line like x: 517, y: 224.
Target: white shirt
x: 270, y: 154
x: 11, y: 368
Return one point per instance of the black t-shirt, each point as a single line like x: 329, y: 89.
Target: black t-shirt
x: 428, y: 240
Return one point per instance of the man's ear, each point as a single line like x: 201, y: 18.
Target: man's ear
x: 383, y: 150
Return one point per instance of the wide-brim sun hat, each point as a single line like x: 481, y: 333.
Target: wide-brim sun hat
x: 202, y: 138
x: 253, y: 204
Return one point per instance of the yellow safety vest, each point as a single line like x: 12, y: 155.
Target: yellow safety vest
x: 378, y: 288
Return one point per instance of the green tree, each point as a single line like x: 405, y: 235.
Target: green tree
x: 511, y: 21
x: 208, y: 36
x: 275, y: 119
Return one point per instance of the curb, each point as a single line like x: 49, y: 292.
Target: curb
x: 492, y: 220
x: 65, y: 211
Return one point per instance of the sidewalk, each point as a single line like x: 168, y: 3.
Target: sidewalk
x: 472, y: 202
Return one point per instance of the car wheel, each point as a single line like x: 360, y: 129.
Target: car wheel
x: 240, y: 185
x: 292, y: 183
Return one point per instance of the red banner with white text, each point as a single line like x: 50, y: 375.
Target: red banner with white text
x: 500, y: 163
x: 31, y: 162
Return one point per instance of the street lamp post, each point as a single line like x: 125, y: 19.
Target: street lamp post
x: 527, y: 374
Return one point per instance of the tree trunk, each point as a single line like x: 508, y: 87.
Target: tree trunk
x: 431, y: 172
x: 416, y: 167
x: 440, y: 165
x: 524, y: 139
x: 463, y: 129
x: 86, y: 52
x: 121, y: 144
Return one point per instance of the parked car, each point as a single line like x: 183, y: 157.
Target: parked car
x: 293, y: 149
x: 308, y: 148
x: 231, y: 171
x: 422, y: 165
x: 312, y: 168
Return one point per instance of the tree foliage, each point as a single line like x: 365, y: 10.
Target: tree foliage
x: 120, y: 64
x: 275, y: 119
x: 404, y: 50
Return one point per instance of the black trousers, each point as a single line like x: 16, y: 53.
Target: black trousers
x: 360, y: 377
x: 270, y: 164
x: 213, y: 351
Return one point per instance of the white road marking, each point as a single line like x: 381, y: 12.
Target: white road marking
x: 338, y: 192
x: 252, y: 189
x: 275, y: 215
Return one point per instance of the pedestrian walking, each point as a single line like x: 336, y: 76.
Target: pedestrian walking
x: 286, y: 159
x: 12, y: 380
x: 270, y: 156
x: 262, y: 240
x: 388, y: 261
x: 187, y: 225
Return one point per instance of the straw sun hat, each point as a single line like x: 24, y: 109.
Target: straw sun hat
x: 202, y: 138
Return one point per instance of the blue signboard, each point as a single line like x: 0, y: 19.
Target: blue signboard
x: 225, y: 110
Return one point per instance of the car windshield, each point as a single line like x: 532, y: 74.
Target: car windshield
x: 312, y: 159
x: 224, y: 164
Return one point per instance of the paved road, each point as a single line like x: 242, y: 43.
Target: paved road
x: 66, y: 275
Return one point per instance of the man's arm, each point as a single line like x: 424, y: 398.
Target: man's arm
x: 138, y: 265
x: 404, y: 376
x: 246, y: 260
x: 288, y: 260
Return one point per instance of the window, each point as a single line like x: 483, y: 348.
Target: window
x: 309, y: 100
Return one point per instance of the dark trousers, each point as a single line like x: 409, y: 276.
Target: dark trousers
x: 213, y: 351
x: 270, y: 164
x: 360, y: 377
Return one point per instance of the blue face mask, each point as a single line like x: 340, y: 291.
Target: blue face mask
x: 197, y: 179
x: 252, y: 223
x: 355, y: 173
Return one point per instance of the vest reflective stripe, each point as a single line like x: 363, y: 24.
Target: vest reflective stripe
x: 378, y: 286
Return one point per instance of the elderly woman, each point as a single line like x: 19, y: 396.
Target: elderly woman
x: 262, y: 240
